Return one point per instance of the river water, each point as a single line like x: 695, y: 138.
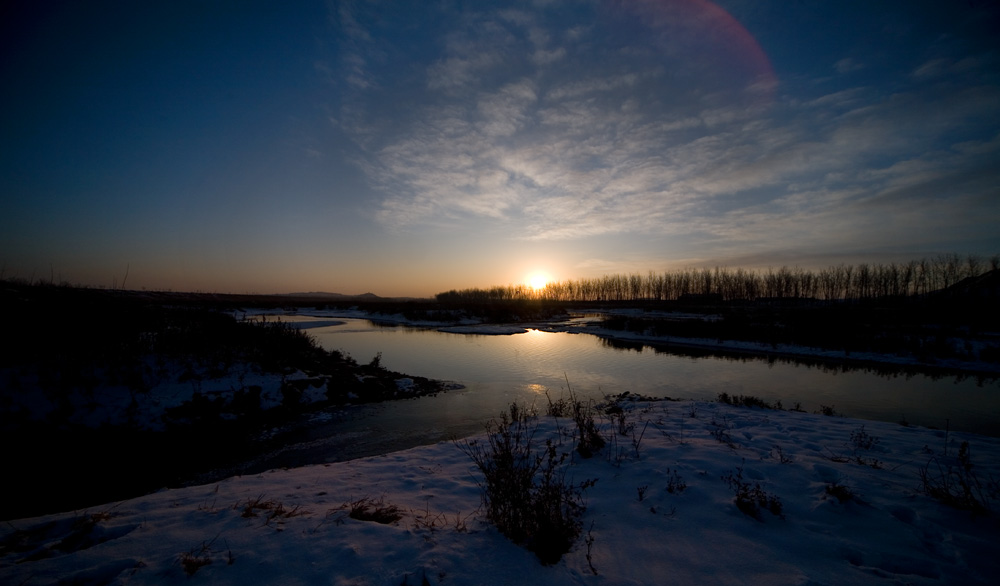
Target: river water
x: 536, y: 366
x: 497, y: 369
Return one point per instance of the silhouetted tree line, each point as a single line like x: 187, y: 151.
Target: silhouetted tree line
x: 842, y: 282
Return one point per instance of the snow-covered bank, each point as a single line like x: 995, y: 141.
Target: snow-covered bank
x: 163, y: 382
x: 852, y: 512
x: 177, y: 394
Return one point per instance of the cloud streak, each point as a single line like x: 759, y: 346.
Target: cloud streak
x: 556, y: 125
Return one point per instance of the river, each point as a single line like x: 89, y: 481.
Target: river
x: 536, y: 366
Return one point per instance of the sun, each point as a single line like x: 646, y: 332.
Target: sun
x: 538, y: 281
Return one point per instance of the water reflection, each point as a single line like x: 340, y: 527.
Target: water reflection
x: 536, y: 389
x: 826, y: 365
x: 500, y: 368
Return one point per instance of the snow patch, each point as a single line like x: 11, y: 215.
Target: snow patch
x: 640, y: 527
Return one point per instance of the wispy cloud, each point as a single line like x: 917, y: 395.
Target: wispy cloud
x: 847, y: 65
x: 563, y: 129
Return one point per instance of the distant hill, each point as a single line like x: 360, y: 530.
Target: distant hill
x: 325, y: 295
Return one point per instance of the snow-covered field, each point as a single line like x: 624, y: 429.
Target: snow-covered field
x: 852, y: 511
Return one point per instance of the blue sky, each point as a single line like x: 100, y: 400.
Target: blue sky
x: 408, y: 148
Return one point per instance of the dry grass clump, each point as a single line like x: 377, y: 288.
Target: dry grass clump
x: 748, y: 401
x: 369, y: 509
x: 201, y: 555
x: 956, y: 484
x: 751, y: 499
x: 524, y: 490
x: 269, y: 509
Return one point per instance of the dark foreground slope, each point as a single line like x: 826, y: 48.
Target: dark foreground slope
x: 107, y: 395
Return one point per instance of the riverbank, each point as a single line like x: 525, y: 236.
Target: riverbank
x: 841, y: 501
x: 122, y: 395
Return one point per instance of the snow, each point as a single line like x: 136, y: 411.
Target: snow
x: 291, y: 526
x: 170, y: 384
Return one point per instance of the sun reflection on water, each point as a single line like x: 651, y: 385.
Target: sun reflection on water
x: 536, y: 388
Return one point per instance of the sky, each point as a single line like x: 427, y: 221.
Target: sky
x: 408, y: 148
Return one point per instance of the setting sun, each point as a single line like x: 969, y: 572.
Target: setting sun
x: 538, y: 281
